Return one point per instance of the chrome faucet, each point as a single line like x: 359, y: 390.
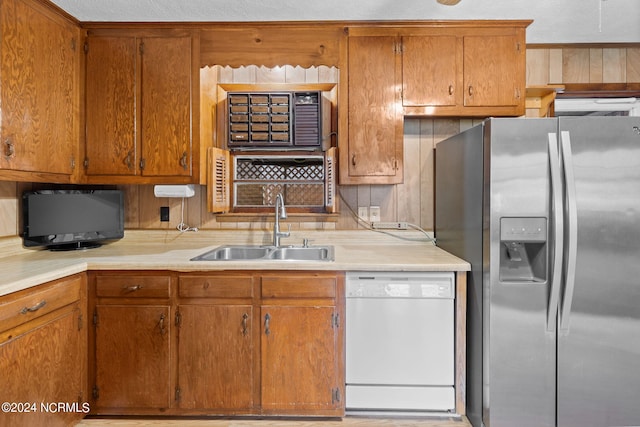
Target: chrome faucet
x: 281, y: 213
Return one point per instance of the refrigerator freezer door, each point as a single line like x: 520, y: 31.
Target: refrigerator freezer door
x: 519, y: 351
x: 599, y: 338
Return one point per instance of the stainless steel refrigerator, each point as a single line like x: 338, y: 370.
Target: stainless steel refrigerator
x: 547, y: 211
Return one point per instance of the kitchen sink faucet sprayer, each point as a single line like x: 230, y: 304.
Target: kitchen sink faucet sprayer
x: 281, y: 213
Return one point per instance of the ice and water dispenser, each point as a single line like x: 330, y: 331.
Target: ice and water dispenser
x: 523, y: 249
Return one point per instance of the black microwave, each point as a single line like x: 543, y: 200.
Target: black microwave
x: 276, y: 120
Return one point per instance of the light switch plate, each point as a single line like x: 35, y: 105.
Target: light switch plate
x: 363, y: 213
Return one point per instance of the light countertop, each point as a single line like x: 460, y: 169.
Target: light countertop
x: 171, y: 250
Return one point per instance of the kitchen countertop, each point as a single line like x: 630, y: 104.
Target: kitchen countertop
x: 355, y: 250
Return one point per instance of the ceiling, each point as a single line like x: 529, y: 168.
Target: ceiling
x: 555, y: 21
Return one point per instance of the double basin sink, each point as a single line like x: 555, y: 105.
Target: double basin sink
x: 258, y: 253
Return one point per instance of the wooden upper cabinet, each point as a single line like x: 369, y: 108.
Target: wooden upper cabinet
x: 140, y: 101
x: 111, y: 106
x: 374, y: 151
x: 431, y: 68
x: 166, y: 106
x: 464, y: 71
x: 494, y: 71
x: 39, y: 81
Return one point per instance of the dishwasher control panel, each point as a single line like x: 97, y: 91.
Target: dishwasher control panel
x: 399, y: 285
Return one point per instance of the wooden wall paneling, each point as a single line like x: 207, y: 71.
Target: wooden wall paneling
x: 633, y: 64
x: 555, y: 66
x: 595, y: 66
x: 9, y: 198
x: 614, y: 65
x: 575, y: 65
x: 348, y: 196
x: 537, y: 67
x: 131, y: 206
x: 272, y: 44
x: 409, y: 194
x: 386, y: 196
x: 427, y: 175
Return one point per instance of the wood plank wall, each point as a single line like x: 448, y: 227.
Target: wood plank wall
x: 411, y: 201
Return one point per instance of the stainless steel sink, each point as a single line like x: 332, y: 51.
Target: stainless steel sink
x: 256, y: 253
x: 231, y: 253
x: 311, y: 253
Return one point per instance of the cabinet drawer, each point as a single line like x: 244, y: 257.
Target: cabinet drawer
x: 298, y: 287
x: 38, y: 301
x: 216, y: 287
x: 133, y: 286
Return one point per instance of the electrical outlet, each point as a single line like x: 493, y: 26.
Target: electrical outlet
x: 374, y: 213
x: 363, y: 213
x: 164, y: 213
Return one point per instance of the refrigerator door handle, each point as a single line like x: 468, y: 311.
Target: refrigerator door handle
x: 572, y: 230
x: 558, y: 233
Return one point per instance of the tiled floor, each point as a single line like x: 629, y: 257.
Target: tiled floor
x: 346, y: 422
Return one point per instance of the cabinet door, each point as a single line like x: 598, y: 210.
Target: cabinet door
x: 215, y: 357
x: 42, y: 366
x: 39, y: 81
x: 375, y: 119
x: 493, y: 71
x: 299, y: 359
x: 166, y: 106
x: 430, y: 71
x: 111, y: 106
x: 132, y: 357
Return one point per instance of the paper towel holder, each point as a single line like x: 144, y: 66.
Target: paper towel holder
x: 187, y: 190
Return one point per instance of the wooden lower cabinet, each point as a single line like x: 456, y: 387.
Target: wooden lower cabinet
x: 133, y: 356
x: 43, y: 353
x: 131, y: 343
x: 217, y: 343
x: 216, y: 353
x: 301, y: 344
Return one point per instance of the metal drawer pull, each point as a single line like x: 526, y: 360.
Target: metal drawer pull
x: 163, y: 330
x: 36, y: 307
x: 132, y: 288
x: 245, y: 317
x: 267, y: 318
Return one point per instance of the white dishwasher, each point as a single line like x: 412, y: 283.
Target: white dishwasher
x: 400, y: 342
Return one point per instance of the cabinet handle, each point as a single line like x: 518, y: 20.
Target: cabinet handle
x: 267, y: 318
x: 9, y: 149
x: 245, y: 318
x: 183, y: 160
x: 132, y: 288
x: 128, y: 161
x: 353, y: 160
x: 33, y: 308
x: 161, y: 326
x: 450, y: 89
x: 470, y: 90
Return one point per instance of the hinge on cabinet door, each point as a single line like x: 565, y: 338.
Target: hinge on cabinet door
x: 335, y: 320
x: 95, y: 393
x: 141, y: 48
x: 143, y: 162
x: 80, y: 322
x: 95, y: 318
x: 518, y: 46
x: 177, y: 397
x: 86, y: 47
x: 335, y: 395
x: 178, y: 319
